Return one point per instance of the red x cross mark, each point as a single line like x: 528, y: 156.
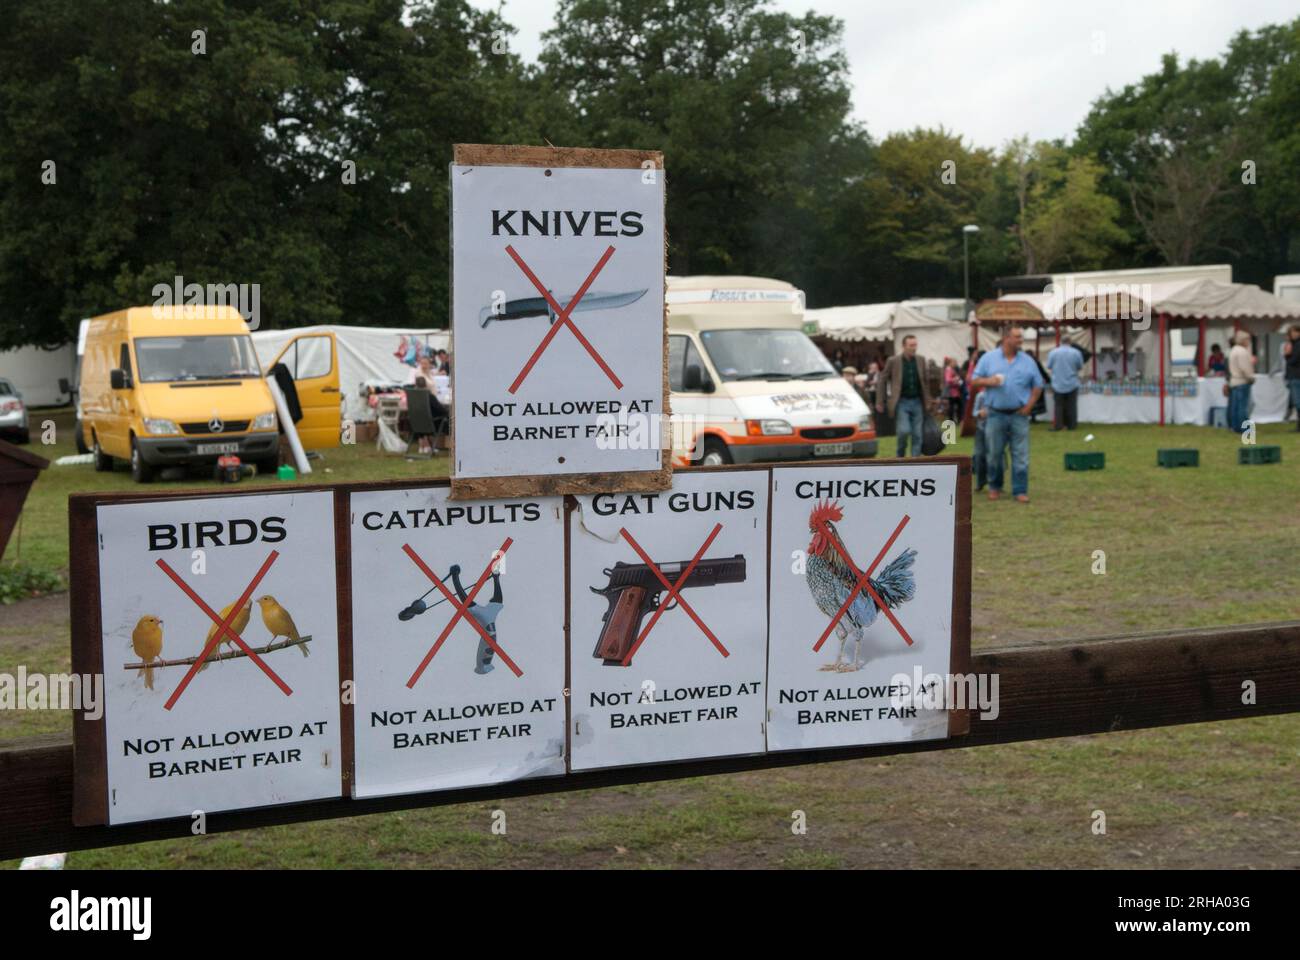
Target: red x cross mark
x: 863, y: 584
x: 562, y: 319
x: 462, y: 610
x: 223, y: 628
x: 673, y: 592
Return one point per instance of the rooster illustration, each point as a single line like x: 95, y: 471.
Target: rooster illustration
x: 831, y: 580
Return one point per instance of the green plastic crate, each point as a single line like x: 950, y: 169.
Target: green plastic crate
x: 1178, y: 458
x: 1249, y: 453
x: 1092, y: 460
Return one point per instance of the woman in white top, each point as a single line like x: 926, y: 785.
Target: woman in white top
x: 1241, y: 374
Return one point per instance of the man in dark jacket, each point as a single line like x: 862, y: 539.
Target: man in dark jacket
x: 903, y: 391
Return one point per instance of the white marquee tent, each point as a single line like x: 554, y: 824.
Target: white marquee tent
x: 927, y: 320
x: 367, y: 355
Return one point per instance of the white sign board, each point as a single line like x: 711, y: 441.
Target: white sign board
x: 844, y: 660
x: 557, y: 319
x: 657, y: 678
x: 189, y: 733
x: 454, y: 687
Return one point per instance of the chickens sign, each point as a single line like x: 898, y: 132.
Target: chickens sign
x: 220, y: 653
x: 861, y: 603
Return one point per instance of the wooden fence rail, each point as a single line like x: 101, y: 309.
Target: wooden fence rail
x: 1046, y: 690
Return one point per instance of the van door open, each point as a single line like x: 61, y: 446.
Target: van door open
x: 312, y: 360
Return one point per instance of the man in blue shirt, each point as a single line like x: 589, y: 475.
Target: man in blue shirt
x: 1014, y: 384
x: 1064, y: 363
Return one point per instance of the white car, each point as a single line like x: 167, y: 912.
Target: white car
x: 13, y: 414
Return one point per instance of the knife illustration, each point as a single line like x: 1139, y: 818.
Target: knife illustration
x: 538, y: 307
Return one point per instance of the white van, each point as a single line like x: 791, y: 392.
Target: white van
x: 747, y: 383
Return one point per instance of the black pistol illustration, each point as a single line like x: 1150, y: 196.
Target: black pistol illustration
x: 634, y: 591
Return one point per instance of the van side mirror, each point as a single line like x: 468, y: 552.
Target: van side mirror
x: 119, y: 379
x: 694, y: 381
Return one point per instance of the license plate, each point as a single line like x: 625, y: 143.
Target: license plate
x: 218, y: 448
x: 832, y: 449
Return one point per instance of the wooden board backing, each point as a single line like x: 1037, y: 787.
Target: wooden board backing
x: 89, y: 804
x: 519, y: 155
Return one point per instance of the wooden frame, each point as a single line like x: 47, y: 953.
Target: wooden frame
x: 90, y: 802
x: 534, y: 485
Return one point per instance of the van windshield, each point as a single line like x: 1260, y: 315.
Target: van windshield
x: 169, y: 359
x: 765, y: 355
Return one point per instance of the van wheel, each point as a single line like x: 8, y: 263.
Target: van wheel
x: 80, y: 438
x: 103, y: 462
x: 141, y: 472
x: 715, y: 453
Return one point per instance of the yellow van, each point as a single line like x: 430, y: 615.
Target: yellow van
x: 181, y: 386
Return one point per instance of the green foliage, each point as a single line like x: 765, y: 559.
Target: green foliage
x: 1068, y: 223
x: 304, y: 147
x: 21, y: 582
x: 227, y: 165
x: 1204, y: 157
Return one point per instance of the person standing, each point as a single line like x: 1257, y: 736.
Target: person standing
x: 1065, y: 362
x: 904, y: 394
x: 873, y: 377
x: 1014, y: 385
x: 979, y: 461
x: 1291, y: 351
x: 1241, y: 374
x: 952, y: 386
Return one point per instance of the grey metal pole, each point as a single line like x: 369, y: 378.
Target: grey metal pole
x: 965, y: 287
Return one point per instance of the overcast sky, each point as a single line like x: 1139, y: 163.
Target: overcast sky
x: 994, y: 69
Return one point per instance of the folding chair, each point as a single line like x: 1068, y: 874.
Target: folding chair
x: 419, y: 414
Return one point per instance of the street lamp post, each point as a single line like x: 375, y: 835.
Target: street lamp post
x: 966, y: 231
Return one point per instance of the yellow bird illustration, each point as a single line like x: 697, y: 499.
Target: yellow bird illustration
x: 238, y: 625
x: 146, y: 641
x: 279, y: 622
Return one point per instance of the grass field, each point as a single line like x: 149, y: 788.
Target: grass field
x: 1188, y: 547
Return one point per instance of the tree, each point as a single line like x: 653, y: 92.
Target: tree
x: 1063, y: 220
x: 1188, y: 151
x: 924, y: 187
x: 750, y: 106
x: 221, y: 157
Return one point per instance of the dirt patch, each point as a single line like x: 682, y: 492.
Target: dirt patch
x: 35, y: 616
